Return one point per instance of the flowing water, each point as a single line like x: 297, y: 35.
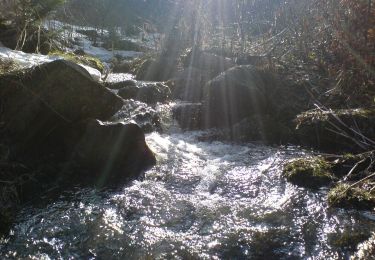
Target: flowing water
x: 203, y: 200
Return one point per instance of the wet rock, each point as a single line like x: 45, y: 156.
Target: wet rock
x: 351, y: 197
x: 141, y: 114
x: 312, y: 172
x: 121, y: 84
x: 260, y: 128
x: 148, y: 92
x: 39, y: 103
x: 129, y: 92
x: 188, y: 115
x: 112, y: 151
x: 341, y: 129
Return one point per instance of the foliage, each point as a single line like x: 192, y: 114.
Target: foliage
x: 26, y: 17
x: 337, y: 36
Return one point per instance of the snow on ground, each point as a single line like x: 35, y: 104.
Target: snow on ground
x: 103, y: 54
x: 28, y: 60
x: 25, y: 60
x: 69, y: 32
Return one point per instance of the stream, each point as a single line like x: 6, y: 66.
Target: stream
x: 203, y: 200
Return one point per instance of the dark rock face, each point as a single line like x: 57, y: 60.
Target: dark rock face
x: 208, y: 62
x: 252, y: 104
x: 188, y: 115
x: 40, y: 103
x: 122, y: 67
x: 60, y: 90
x: 113, y: 151
x: 148, y: 92
x: 341, y: 129
x: 236, y: 94
x: 188, y: 84
x: 160, y: 68
x: 121, y: 84
x: 129, y: 92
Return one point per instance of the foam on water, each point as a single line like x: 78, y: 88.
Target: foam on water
x: 204, y: 200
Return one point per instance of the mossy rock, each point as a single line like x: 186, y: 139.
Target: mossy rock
x: 312, y: 172
x: 82, y: 59
x: 344, y: 196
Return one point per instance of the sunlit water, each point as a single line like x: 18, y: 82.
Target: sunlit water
x: 204, y: 200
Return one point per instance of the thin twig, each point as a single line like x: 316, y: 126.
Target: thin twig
x: 353, y: 169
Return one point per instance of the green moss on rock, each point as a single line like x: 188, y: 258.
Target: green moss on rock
x: 311, y: 172
x: 83, y: 59
x: 344, y: 196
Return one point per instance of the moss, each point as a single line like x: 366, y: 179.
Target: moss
x: 344, y: 196
x: 308, y: 172
x: 83, y: 59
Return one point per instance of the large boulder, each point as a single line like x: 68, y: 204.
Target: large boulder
x: 39, y: 103
x: 111, y: 152
x: 59, y: 89
x: 238, y: 93
x: 252, y: 103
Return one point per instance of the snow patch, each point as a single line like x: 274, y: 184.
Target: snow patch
x: 69, y: 32
x: 28, y: 60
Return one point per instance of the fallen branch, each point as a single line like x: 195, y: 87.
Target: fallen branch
x: 353, y: 168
